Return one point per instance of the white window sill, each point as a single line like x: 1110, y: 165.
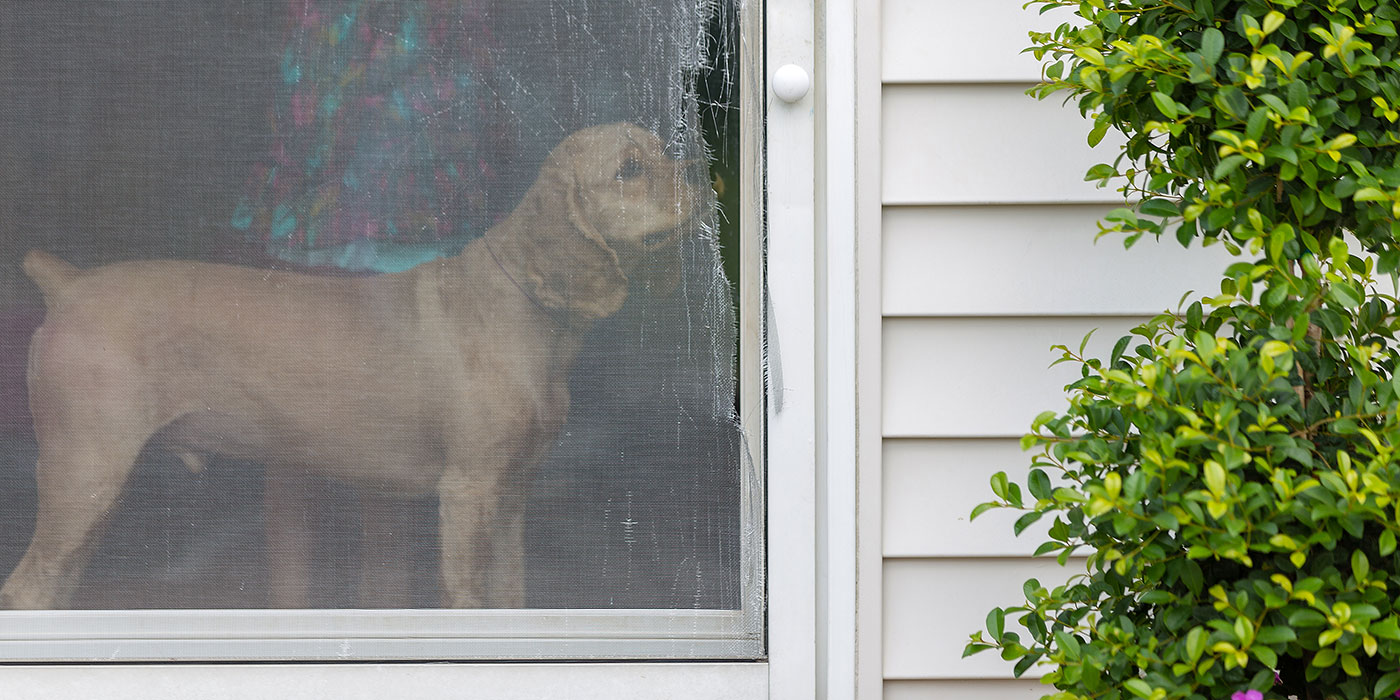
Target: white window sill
x: 377, y: 635
x: 525, y: 681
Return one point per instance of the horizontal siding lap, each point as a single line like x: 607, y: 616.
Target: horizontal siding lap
x: 960, y: 41
x: 981, y: 377
x: 933, y: 605
x: 964, y: 690
x: 930, y: 489
x: 1032, y: 260
x: 975, y: 144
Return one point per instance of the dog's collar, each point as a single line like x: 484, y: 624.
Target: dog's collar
x: 561, y: 317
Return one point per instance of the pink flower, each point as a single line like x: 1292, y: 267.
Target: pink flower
x: 1250, y: 694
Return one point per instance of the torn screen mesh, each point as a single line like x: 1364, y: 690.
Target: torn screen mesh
x: 364, y: 304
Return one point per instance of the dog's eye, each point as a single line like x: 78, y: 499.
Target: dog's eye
x: 631, y: 169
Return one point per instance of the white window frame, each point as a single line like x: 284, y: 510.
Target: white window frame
x: 797, y: 338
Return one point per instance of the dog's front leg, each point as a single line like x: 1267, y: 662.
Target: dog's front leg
x: 468, y: 508
x: 505, y: 578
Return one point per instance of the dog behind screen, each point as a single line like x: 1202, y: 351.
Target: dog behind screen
x: 450, y: 378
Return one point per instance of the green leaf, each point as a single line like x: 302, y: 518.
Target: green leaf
x: 1324, y: 658
x: 1138, y: 687
x: 1118, y: 349
x: 1388, y: 628
x: 1097, y: 133
x: 1244, y: 631
x: 1196, y: 641
x: 1212, y: 45
x: 1387, y: 685
x: 1039, y: 484
x: 1340, y: 142
x: 1370, y: 194
x: 1165, y: 104
x: 1164, y: 208
x: 1275, y: 634
x: 1102, y: 171
x: 1067, y: 643
x: 971, y: 649
x: 1025, y: 664
x: 996, y: 623
x: 1030, y: 587
x: 1192, y: 576
x: 1200, y: 71
x: 1265, y: 655
x: 1026, y: 521
x: 1360, y: 566
x: 1156, y: 597
x: 1254, y: 128
x: 999, y: 482
x: 1135, y: 487
x: 1215, y: 478
x: 1346, y: 295
x: 1227, y: 165
x: 1350, y: 665
x: 1275, y: 104
x: 1306, y: 617
x: 1334, y: 483
x: 982, y: 508
x: 1089, y: 55
x: 1233, y: 101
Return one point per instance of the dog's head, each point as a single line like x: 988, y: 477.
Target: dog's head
x: 609, y: 203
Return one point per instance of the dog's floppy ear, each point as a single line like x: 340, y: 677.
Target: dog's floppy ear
x: 567, y: 263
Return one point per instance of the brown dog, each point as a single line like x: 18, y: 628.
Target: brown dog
x: 451, y: 377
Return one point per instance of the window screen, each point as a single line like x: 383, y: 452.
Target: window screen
x: 348, y: 305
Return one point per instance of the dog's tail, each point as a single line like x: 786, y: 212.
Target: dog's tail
x: 49, y: 272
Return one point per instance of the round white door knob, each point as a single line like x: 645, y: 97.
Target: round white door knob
x: 791, y: 83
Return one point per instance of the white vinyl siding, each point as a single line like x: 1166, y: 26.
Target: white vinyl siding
x: 955, y: 41
x: 973, y: 252
x: 980, y: 376
x: 964, y: 690
x: 985, y: 144
x: 988, y: 259
x: 932, y: 485
x: 957, y: 593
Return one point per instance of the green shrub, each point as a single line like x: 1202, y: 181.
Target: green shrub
x: 1230, y: 470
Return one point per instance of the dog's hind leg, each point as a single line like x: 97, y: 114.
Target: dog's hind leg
x: 78, y: 485
x: 91, y: 425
